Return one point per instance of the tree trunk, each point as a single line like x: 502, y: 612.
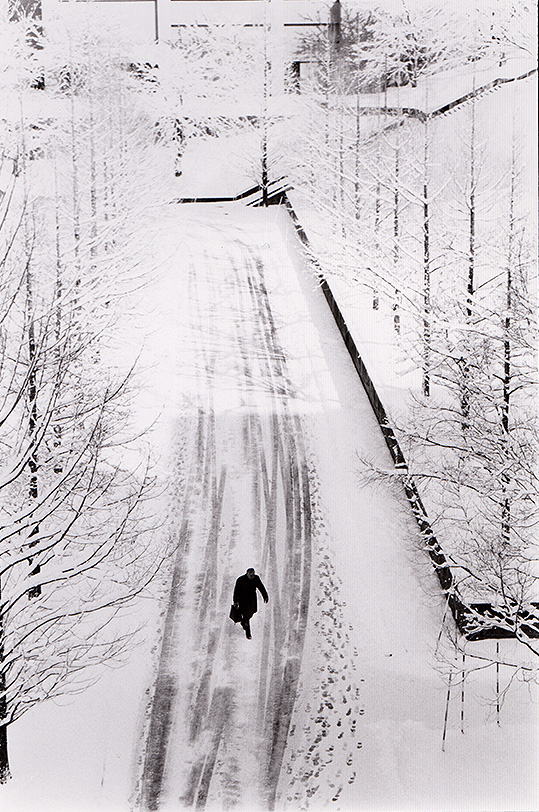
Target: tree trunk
x: 33, y: 466
x: 464, y: 367
x: 5, y: 773
x: 472, y: 213
x: 75, y: 190
x: 340, y: 174
x: 396, y: 209
x: 396, y: 300
x: 426, y: 272
x: 265, y: 92
x: 377, y: 197
x: 357, y: 199
x: 31, y: 391
x: 264, y: 172
x: 506, y: 377
x: 93, y: 185
x: 57, y: 428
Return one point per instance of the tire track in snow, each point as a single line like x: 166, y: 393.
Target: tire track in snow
x: 166, y: 684
x: 207, y: 704
x: 166, y: 687
x: 289, y: 444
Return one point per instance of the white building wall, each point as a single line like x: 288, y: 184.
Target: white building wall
x: 134, y: 18
x: 144, y: 19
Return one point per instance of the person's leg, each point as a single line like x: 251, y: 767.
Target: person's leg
x: 246, y: 625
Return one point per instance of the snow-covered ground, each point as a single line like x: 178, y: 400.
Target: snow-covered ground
x: 268, y: 439
x: 273, y: 399
x: 280, y: 421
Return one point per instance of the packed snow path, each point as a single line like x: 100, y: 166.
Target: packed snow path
x: 244, y: 498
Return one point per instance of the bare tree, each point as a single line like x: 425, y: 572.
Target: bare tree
x: 73, y: 546
x: 474, y: 447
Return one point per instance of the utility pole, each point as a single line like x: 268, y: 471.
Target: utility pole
x: 265, y: 90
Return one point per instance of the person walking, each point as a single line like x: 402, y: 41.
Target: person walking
x: 245, y: 597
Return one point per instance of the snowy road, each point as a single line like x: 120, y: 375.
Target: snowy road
x: 244, y: 500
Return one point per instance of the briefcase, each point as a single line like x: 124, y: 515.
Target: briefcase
x: 235, y: 614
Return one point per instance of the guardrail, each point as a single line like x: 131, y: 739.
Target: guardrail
x: 421, y: 115
x: 273, y: 194
x: 478, y: 620
x: 401, y: 113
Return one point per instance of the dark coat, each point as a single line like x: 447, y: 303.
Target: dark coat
x: 245, y: 594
